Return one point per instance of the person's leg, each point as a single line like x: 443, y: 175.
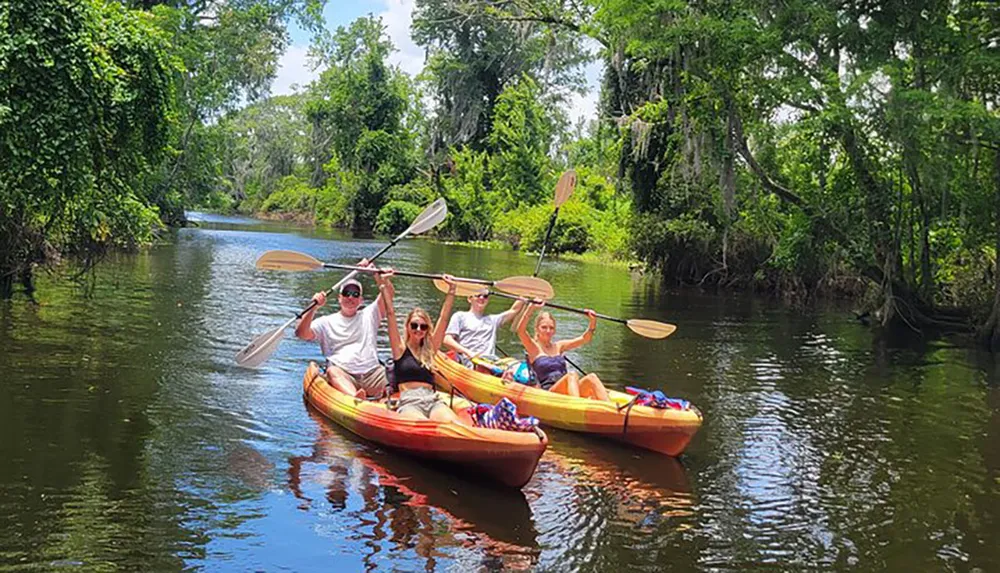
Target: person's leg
x: 568, y: 385
x: 411, y: 413
x: 343, y: 381
x: 375, y: 383
x: 591, y: 387
x: 440, y: 412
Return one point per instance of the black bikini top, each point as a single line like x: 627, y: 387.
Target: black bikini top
x: 409, y: 369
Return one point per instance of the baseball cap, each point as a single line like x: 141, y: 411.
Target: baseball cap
x: 351, y: 282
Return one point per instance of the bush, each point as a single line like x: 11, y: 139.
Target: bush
x: 291, y: 196
x: 395, y: 217
x: 470, y: 207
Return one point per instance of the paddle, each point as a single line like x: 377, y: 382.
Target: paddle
x: 564, y: 188
x: 531, y: 287
x: 262, y: 346
x: 640, y: 326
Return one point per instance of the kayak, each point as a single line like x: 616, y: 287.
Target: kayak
x: 667, y: 431
x: 506, y: 457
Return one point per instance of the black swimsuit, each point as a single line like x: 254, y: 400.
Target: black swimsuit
x: 409, y: 369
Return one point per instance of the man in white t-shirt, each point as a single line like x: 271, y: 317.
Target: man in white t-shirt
x: 473, y: 333
x: 347, y: 339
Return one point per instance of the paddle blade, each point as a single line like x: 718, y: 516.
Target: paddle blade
x: 650, y: 328
x: 429, y: 218
x: 528, y: 287
x: 464, y: 289
x: 565, y: 186
x: 260, y: 348
x: 287, y: 261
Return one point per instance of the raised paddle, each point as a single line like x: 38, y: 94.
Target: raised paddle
x: 640, y: 326
x: 564, y: 188
x: 531, y: 287
x: 262, y: 346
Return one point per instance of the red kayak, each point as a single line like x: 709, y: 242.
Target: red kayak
x: 506, y: 457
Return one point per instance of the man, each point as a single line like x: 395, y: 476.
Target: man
x: 473, y: 333
x: 347, y: 339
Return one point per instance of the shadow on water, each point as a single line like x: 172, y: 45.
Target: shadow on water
x: 417, y: 505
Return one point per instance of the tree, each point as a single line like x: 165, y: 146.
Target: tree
x: 87, y: 96
x: 357, y: 110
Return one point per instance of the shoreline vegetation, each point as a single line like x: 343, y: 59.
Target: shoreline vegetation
x: 815, y: 150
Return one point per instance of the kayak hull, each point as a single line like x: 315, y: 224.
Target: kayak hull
x: 507, y: 458
x: 666, y: 431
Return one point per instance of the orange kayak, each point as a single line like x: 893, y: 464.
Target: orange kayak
x: 505, y: 457
x: 667, y: 431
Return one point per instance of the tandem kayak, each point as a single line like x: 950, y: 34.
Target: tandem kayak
x: 666, y: 431
x: 506, y: 457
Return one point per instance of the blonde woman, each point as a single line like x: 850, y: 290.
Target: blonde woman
x: 413, y: 353
x: 546, y: 356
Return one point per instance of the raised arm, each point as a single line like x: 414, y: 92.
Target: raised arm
x: 522, y: 332
x: 304, y: 329
x: 512, y: 311
x: 386, y: 294
x: 442, y: 322
x: 587, y: 336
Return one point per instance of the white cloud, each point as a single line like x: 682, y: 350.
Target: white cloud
x: 585, y: 106
x: 293, y: 71
x: 397, y: 17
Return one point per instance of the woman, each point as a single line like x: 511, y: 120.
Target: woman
x: 414, y: 353
x: 546, y: 359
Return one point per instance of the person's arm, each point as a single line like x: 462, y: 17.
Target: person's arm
x: 587, y: 336
x: 451, y: 343
x: 510, y: 313
x: 304, y: 329
x: 442, y: 322
x: 386, y: 295
x: 522, y: 332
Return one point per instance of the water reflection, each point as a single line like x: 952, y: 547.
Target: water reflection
x: 132, y: 442
x: 410, y: 506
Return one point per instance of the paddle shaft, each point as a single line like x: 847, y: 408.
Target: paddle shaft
x: 561, y: 307
x: 407, y: 274
x: 545, y: 243
x: 350, y: 275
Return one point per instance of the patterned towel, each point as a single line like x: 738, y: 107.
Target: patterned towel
x: 657, y: 399
x: 503, y: 416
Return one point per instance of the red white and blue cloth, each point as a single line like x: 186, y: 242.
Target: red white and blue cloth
x: 656, y: 399
x: 502, y: 416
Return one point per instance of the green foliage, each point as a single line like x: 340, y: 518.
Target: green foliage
x: 519, y: 145
x: 471, y: 208
x: 396, y: 216
x: 91, y: 101
x: 358, y: 105
x: 473, y: 56
x: 292, y: 195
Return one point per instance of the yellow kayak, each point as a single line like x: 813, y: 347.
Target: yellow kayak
x: 667, y: 431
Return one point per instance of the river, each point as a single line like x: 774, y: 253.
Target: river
x: 132, y: 441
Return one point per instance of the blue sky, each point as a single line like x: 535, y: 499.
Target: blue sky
x: 396, y: 15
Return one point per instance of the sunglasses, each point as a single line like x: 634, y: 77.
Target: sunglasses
x: 351, y: 293
x: 419, y: 326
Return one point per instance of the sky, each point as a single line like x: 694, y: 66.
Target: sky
x: 396, y: 15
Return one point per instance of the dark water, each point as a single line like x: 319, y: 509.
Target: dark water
x: 131, y: 441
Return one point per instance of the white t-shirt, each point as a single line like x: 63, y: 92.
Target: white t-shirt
x: 349, y: 342
x: 477, y: 333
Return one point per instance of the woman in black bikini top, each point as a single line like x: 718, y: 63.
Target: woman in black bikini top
x: 413, y: 353
x: 545, y: 356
